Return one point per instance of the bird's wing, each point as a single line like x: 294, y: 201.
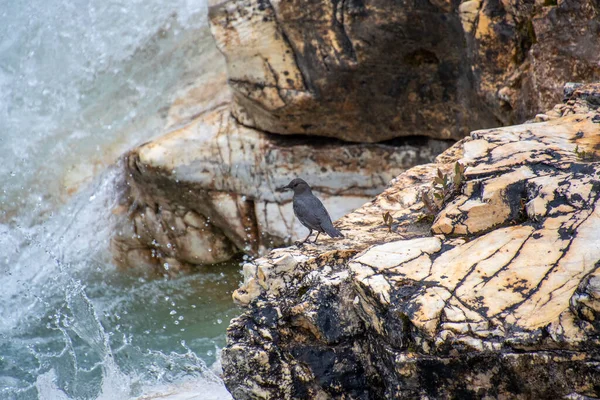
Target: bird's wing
x: 316, y: 212
x: 306, y: 210
x: 324, y: 219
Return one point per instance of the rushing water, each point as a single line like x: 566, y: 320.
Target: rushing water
x: 82, y: 81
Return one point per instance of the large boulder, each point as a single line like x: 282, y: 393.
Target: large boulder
x: 371, y: 70
x: 206, y: 191
x: 357, y: 71
x: 499, y: 298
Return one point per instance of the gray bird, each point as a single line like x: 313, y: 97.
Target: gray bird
x: 310, y: 211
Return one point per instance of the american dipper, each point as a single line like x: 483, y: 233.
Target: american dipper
x: 310, y: 211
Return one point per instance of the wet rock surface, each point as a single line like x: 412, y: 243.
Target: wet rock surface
x: 368, y: 71
x: 499, y: 298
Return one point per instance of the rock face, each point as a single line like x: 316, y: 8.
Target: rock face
x: 501, y: 301
x: 362, y: 72
x: 523, y: 51
x: 206, y: 191
x: 367, y: 71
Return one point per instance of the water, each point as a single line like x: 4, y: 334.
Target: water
x: 82, y: 81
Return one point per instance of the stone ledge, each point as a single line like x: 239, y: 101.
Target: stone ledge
x: 504, y: 301
x: 206, y: 191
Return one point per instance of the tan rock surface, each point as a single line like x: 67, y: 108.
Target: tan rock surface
x: 206, y: 191
x: 507, y: 289
x: 361, y: 73
x: 371, y: 71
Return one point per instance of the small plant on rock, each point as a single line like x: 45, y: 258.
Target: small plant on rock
x: 582, y: 154
x: 441, y: 186
x: 431, y: 209
x: 443, y: 189
x: 388, y: 220
x: 459, y: 175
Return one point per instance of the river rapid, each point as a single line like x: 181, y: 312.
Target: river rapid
x: 83, y: 81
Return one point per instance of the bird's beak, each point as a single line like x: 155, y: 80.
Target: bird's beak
x: 283, y: 188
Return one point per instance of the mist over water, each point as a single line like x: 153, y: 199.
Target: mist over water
x: 83, y: 81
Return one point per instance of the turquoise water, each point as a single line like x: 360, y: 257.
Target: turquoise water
x: 113, y: 335
x: 83, y: 81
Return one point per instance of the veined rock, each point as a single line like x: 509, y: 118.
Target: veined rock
x: 206, y: 191
x: 367, y: 71
x: 499, y: 298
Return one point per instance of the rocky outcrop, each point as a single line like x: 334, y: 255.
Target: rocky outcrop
x: 363, y: 72
x: 206, y: 191
x: 523, y: 52
x: 367, y: 71
x: 499, y: 298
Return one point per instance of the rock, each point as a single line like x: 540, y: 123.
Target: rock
x: 517, y: 66
x: 500, y: 298
x: 371, y: 71
x: 205, y: 90
x: 569, y: 89
x: 360, y: 72
x: 206, y: 191
x: 467, y: 11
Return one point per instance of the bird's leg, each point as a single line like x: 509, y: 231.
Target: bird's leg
x: 315, y: 241
x: 305, y: 239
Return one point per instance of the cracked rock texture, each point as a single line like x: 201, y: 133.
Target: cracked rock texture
x: 206, y: 190
x: 352, y: 70
x: 368, y: 71
x: 499, y: 298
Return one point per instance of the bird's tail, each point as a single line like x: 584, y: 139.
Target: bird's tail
x: 332, y: 231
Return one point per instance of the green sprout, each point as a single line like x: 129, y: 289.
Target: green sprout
x: 388, y: 220
x: 582, y: 154
x: 443, y: 188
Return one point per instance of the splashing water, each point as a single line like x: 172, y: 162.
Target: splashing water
x: 82, y: 82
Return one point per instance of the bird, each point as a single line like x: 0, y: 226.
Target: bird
x: 310, y: 211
